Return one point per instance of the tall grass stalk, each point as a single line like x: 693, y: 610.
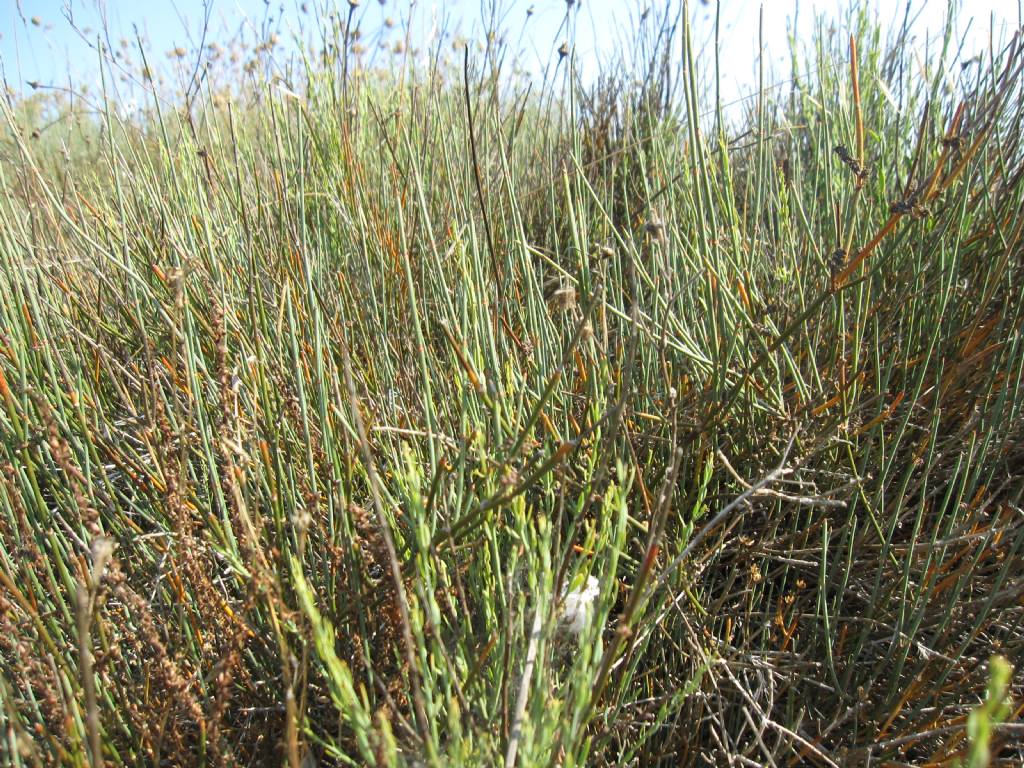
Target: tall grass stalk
x: 322, y: 385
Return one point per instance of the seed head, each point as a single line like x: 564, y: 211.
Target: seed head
x: 563, y: 299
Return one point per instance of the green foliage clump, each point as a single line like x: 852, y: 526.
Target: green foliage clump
x: 322, y: 396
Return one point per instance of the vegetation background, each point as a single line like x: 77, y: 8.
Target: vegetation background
x: 328, y: 382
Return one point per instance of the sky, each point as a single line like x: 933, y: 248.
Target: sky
x: 47, y: 41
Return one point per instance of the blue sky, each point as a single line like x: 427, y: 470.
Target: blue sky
x: 45, y: 40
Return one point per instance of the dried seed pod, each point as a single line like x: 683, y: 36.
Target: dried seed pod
x: 861, y: 171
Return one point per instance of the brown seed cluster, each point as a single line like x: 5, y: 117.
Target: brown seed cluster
x: 861, y: 171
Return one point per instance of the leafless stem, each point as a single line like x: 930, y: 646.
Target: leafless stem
x: 524, y: 689
x: 389, y: 544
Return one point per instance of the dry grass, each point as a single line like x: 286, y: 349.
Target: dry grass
x: 315, y: 400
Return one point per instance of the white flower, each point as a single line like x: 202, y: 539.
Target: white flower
x: 578, y: 606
